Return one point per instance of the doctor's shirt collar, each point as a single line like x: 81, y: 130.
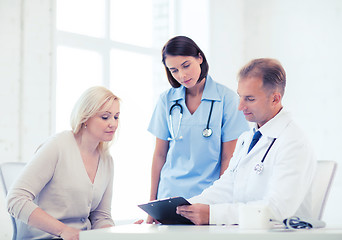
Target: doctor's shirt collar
x: 274, y: 126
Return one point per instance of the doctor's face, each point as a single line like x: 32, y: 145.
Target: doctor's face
x: 185, y: 69
x: 256, y: 102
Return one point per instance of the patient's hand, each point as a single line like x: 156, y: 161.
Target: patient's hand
x: 140, y: 221
x: 70, y: 233
x: 197, y: 213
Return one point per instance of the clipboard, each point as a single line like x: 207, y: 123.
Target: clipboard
x: 164, y: 210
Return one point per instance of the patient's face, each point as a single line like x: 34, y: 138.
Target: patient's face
x: 103, y: 125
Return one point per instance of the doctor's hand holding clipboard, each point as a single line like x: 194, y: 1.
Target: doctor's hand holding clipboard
x: 196, y: 124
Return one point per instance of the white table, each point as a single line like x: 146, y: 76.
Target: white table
x: 183, y: 232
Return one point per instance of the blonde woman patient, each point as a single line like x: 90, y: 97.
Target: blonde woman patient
x: 67, y: 186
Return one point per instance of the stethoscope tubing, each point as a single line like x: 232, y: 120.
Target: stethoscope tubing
x: 259, y: 167
x: 268, y: 149
x: 211, y: 110
x: 207, y: 132
x: 176, y: 105
x: 173, y: 136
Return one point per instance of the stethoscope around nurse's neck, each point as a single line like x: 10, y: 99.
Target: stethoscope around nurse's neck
x: 207, y: 132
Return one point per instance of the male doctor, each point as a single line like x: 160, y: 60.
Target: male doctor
x: 273, y: 164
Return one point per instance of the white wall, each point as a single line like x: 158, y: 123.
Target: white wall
x: 26, y: 88
x: 226, y: 40
x: 306, y: 37
x: 26, y: 94
x: 10, y: 63
x: 192, y: 20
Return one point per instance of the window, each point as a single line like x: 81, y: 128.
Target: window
x: 116, y: 44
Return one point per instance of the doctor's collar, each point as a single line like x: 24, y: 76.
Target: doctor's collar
x: 275, y: 126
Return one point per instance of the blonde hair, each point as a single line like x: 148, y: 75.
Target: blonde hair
x: 87, y: 106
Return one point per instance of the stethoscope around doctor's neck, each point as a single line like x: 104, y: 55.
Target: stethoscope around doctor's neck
x: 207, y: 132
x: 259, y: 167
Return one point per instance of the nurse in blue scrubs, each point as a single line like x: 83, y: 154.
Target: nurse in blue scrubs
x: 196, y: 124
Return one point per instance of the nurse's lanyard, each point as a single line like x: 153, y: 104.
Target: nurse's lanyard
x: 207, y: 132
x: 260, y: 166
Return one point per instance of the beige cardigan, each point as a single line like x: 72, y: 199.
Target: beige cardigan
x: 56, y: 180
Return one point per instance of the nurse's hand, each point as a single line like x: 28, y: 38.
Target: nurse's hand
x: 197, y: 213
x: 151, y: 220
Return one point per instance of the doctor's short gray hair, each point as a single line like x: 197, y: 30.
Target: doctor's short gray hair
x: 269, y: 70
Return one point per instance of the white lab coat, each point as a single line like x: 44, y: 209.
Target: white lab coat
x: 284, y: 185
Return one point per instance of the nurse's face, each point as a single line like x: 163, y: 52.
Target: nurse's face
x: 103, y: 125
x: 185, y: 69
x: 257, y: 103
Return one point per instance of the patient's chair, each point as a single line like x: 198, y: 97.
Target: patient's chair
x: 321, y: 186
x: 9, y: 171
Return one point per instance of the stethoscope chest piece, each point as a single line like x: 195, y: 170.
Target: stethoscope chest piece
x: 207, y: 132
x: 259, y: 168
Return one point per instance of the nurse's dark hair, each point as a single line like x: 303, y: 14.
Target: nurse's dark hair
x: 183, y: 46
x: 269, y: 70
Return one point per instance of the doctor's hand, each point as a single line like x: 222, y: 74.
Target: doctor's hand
x: 197, y: 213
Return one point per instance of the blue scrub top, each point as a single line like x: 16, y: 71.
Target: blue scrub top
x: 193, y: 163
